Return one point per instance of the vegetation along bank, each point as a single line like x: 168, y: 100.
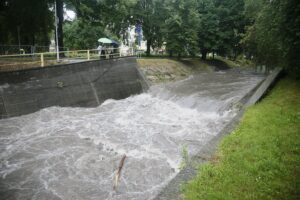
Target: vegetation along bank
x: 261, y: 158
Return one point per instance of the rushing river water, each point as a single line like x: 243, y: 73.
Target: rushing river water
x: 73, y: 153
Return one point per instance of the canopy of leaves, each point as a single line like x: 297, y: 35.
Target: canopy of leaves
x: 82, y: 35
x: 181, y: 27
x: 267, y: 31
x: 273, y: 35
x: 32, y: 20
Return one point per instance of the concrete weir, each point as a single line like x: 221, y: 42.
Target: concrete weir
x: 84, y: 84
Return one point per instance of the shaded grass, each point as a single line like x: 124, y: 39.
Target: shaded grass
x: 158, y: 70
x: 261, y: 158
x: 163, y: 69
x: 193, y: 63
x: 239, y: 62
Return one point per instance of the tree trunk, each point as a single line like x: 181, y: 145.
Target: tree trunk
x: 60, y: 15
x: 45, y: 41
x: 204, y: 54
x: 178, y: 56
x: 33, y: 39
x: 148, y: 47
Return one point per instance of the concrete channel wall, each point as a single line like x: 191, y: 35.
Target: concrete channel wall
x: 84, y: 84
x: 173, y: 189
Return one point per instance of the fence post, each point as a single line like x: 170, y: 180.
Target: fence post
x: 42, y: 60
x: 120, y: 52
x: 88, y: 54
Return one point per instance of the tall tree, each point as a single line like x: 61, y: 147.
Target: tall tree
x: 152, y: 14
x: 208, y: 30
x: 231, y: 26
x: 273, y: 37
x: 113, y: 15
x: 290, y: 37
x: 28, y: 21
x: 181, y: 27
x: 60, y: 20
x: 80, y: 34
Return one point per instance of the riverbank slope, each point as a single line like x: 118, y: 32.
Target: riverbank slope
x: 260, y: 159
x: 161, y: 70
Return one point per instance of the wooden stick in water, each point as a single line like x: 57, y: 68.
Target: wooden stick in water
x: 118, y: 174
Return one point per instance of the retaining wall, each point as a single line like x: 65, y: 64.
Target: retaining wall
x: 85, y: 84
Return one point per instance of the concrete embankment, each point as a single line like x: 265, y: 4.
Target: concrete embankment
x: 85, y: 84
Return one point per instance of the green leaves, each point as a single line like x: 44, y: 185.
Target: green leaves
x: 152, y: 14
x: 267, y: 31
x: 273, y: 33
x: 32, y: 17
x: 180, y: 27
x: 80, y: 34
x: 220, y: 27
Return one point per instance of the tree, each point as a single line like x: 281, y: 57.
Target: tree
x: 274, y: 35
x: 80, y: 34
x: 208, y: 30
x: 290, y: 37
x: 152, y: 14
x: 30, y: 21
x: 60, y: 19
x: 181, y: 27
x: 112, y: 15
x: 231, y: 26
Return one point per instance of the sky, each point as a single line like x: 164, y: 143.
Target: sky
x: 69, y: 14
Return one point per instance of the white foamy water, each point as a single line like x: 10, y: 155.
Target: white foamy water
x: 72, y: 153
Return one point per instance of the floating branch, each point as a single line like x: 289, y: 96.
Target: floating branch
x: 118, y: 174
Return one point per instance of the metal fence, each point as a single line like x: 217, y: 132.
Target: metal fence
x: 25, y: 49
x: 33, y: 60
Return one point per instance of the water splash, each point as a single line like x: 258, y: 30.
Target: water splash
x: 72, y: 153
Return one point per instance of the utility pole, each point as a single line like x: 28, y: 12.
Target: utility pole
x: 56, y: 33
x: 19, y: 39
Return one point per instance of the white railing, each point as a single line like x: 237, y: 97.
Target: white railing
x: 22, y: 61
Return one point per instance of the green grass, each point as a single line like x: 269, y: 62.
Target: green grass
x: 239, y: 62
x: 261, y: 158
x: 159, y: 70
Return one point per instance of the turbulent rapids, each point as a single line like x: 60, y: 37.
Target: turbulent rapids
x: 73, y: 153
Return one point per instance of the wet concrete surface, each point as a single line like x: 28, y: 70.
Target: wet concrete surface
x: 84, y: 84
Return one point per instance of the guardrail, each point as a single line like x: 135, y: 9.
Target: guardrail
x: 24, y: 61
x: 23, y: 49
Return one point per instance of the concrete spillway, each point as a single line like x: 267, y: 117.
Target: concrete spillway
x: 84, y: 84
x: 64, y: 153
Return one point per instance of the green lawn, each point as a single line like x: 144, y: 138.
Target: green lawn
x: 261, y: 158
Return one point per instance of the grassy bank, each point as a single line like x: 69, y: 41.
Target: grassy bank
x: 261, y: 158
x: 162, y: 69
x: 158, y: 70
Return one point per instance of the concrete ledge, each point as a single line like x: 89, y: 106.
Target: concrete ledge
x: 173, y: 189
x: 85, y: 84
x: 261, y: 91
